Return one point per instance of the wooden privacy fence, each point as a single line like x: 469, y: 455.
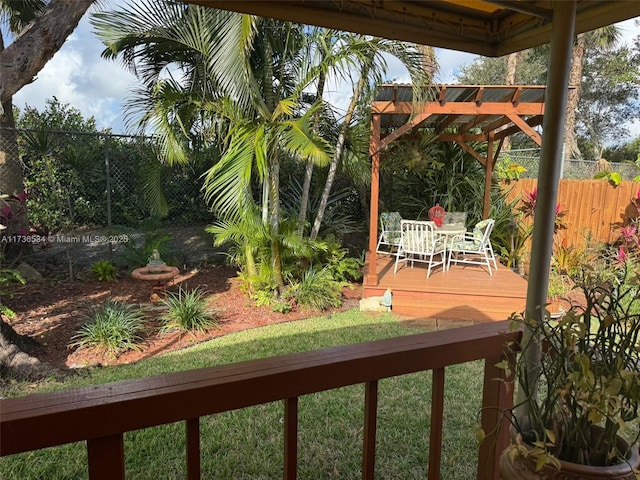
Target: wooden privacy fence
x: 595, y: 209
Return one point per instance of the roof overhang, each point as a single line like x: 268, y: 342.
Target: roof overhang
x: 491, y: 28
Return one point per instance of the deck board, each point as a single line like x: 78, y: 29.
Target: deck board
x: 465, y: 292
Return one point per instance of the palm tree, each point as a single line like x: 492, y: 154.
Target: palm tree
x: 372, y: 67
x: 223, y: 77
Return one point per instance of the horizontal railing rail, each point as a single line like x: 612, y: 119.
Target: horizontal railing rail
x: 101, y: 414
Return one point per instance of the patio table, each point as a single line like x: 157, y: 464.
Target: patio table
x: 448, y: 232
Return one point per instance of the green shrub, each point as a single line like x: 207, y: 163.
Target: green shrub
x: 187, y: 312
x: 114, y: 327
x: 318, y: 289
x: 104, y: 271
x: 341, y: 267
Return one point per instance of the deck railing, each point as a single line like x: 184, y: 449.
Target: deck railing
x: 102, y: 414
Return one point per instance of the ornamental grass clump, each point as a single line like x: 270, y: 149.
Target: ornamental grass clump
x: 115, y: 327
x: 584, y: 393
x: 187, y: 311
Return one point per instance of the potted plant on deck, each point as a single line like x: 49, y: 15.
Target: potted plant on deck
x: 577, y: 408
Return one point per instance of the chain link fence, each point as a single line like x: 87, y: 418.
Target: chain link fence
x: 576, y: 169
x: 78, y: 179
x: 89, y: 196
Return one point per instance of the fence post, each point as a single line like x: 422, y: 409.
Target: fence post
x: 107, y: 171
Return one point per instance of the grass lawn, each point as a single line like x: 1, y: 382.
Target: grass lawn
x: 247, y: 444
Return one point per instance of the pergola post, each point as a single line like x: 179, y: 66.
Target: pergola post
x: 374, y: 152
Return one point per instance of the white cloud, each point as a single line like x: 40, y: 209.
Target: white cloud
x: 77, y: 75
x: 451, y: 61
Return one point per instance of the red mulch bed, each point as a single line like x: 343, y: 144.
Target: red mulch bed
x: 51, y: 312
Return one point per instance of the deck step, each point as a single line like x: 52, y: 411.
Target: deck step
x: 465, y: 293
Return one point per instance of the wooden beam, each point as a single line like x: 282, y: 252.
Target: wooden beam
x: 479, y: 93
x: 515, y: 99
x: 472, y: 123
x: 524, y: 7
x: 461, y: 137
x: 445, y: 123
x: 475, y: 154
x: 496, y: 124
x: 524, y: 126
x: 442, y: 94
x: 398, y: 132
x: 532, y: 122
x: 459, y: 108
x: 407, y: 22
x: 497, y: 152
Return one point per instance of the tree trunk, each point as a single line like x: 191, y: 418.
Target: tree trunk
x: 274, y: 174
x: 308, y: 171
x: 14, y: 362
x: 21, y: 61
x: 333, y: 167
x: 571, y: 149
x: 11, y: 182
x: 274, y: 220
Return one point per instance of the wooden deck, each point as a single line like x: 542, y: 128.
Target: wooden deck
x: 465, y: 292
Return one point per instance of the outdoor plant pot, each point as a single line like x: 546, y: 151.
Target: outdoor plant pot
x: 523, y: 467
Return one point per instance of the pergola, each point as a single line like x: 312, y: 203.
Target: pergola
x: 463, y: 114
x: 485, y: 27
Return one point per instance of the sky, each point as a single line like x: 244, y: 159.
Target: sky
x: 77, y: 75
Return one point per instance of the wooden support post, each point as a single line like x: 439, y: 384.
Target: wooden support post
x: 497, y: 402
x: 370, y: 422
x: 291, y: 439
x: 372, y: 275
x: 106, y: 458
x: 193, y: 448
x: 437, y: 413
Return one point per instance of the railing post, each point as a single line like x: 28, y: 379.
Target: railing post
x: 370, y: 422
x: 437, y: 412
x: 497, y: 402
x: 193, y: 448
x: 291, y: 438
x: 106, y: 458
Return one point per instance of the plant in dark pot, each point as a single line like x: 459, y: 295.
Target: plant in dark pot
x: 579, y: 384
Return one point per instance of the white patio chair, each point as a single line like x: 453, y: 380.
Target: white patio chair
x: 474, y: 247
x: 390, y: 235
x: 419, y: 243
